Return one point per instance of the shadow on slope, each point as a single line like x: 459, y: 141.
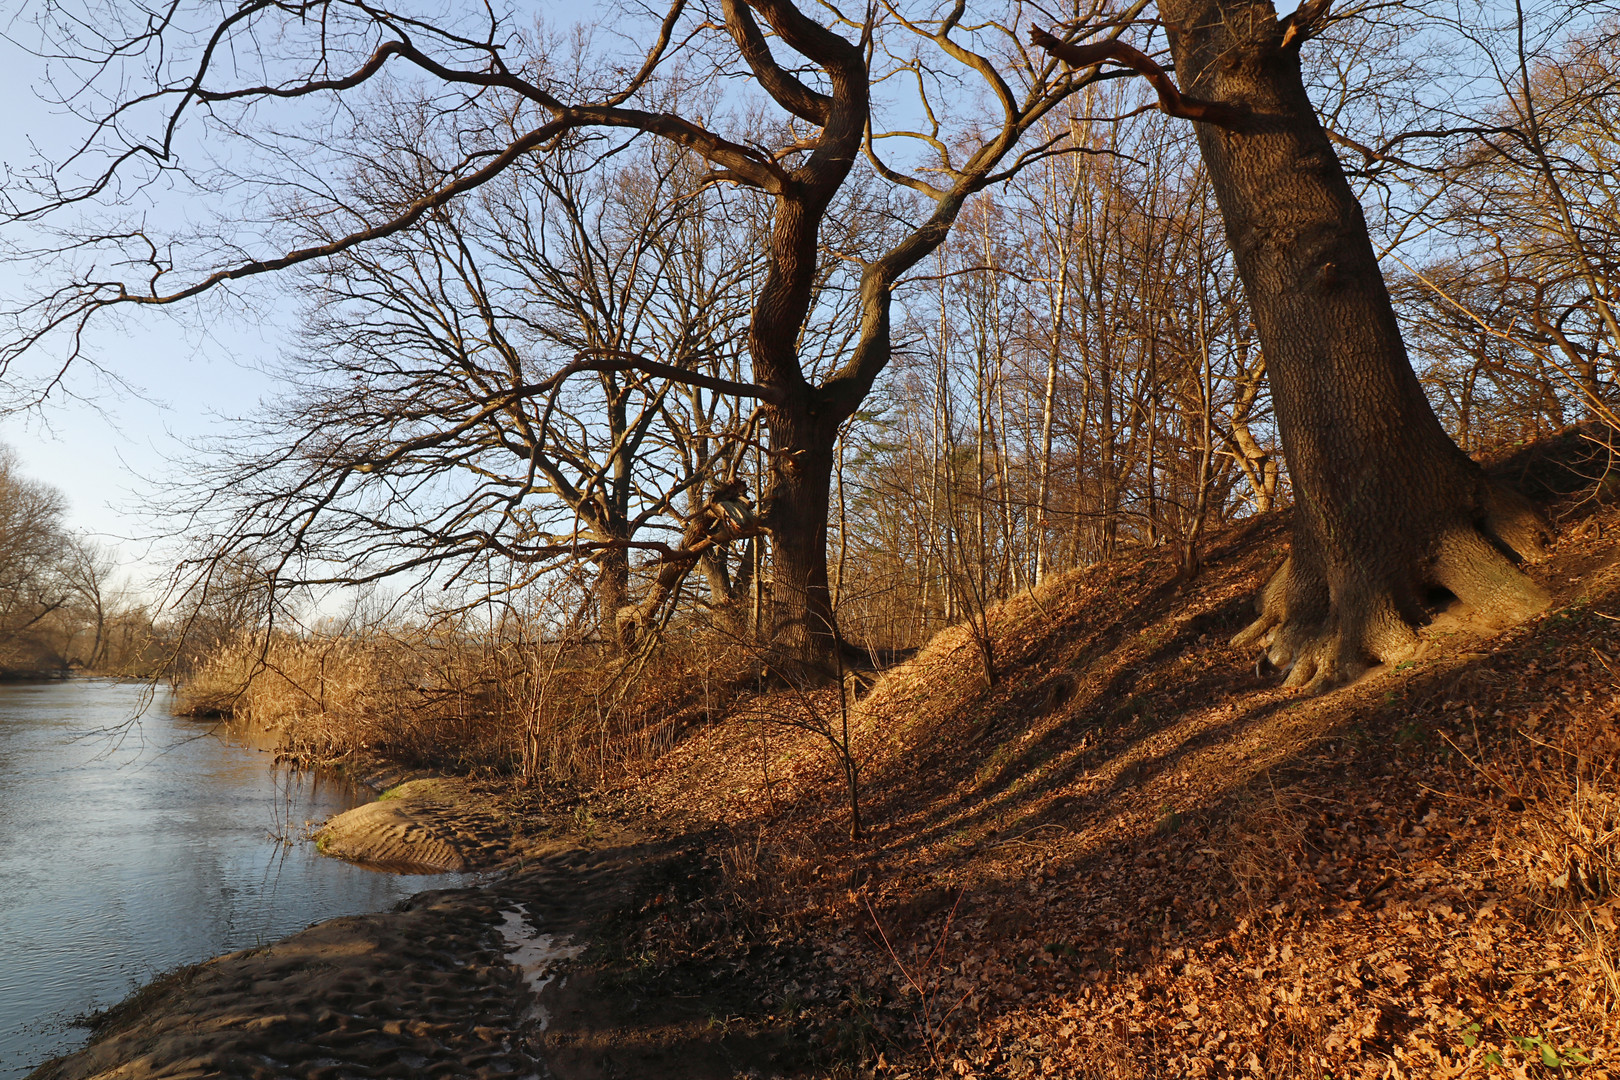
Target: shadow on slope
x: 1134, y: 857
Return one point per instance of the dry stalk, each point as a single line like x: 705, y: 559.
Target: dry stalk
x: 926, y: 981
x: 1262, y: 846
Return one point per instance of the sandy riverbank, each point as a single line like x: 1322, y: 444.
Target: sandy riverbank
x: 524, y: 975
x: 427, y: 824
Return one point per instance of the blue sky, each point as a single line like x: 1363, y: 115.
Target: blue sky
x: 99, y: 443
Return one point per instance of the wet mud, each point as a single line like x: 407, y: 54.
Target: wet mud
x: 523, y: 976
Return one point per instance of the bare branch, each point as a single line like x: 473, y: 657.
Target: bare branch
x: 783, y: 87
x: 1171, y: 99
x: 1303, y: 22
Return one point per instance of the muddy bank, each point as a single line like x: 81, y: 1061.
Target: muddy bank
x: 533, y: 973
x: 424, y: 989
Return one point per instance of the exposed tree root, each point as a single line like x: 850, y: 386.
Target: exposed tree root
x: 1324, y: 627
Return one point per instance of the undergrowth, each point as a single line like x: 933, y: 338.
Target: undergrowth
x: 467, y: 702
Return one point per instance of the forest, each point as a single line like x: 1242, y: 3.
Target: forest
x: 959, y: 403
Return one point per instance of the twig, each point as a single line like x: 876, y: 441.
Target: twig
x: 1027, y: 832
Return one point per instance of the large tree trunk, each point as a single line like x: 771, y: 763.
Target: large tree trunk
x: 795, y: 509
x: 1389, y: 510
x: 613, y: 599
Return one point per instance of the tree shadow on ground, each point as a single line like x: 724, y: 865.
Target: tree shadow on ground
x: 1093, y: 704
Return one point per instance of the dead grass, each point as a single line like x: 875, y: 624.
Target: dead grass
x: 468, y: 702
x: 1560, y: 837
x: 1263, y: 847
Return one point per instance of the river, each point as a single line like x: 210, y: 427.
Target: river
x: 129, y: 847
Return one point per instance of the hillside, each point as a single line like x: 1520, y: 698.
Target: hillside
x: 1134, y: 856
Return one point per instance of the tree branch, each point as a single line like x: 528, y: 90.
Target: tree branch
x: 1302, y: 23
x: 617, y: 360
x: 1171, y: 100
x: 784, y: 87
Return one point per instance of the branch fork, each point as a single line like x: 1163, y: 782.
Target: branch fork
x: 1171, y: 100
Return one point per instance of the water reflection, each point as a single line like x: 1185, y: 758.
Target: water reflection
x: 124, y: 855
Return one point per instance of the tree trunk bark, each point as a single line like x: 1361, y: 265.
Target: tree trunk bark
x: 726, y: 597
x: 795, y: 509
x: 613, y: 600
x: 1389, y: 510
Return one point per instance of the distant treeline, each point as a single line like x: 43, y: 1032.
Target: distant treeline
x: 59, y: 611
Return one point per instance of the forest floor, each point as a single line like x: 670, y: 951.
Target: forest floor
x: 1133, y: 856
x: 1129, y: 856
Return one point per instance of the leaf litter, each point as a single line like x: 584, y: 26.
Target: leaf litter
x: 1135, y: 858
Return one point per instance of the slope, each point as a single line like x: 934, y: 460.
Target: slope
x: 1135, y: 856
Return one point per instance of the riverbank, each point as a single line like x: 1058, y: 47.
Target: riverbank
x: 133, y: 841
x: 535, y: 972
x: 1129, y: 856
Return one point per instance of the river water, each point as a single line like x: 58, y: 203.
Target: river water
x: 129, y: 847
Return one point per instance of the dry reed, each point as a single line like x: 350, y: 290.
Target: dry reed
x: 503, y: 702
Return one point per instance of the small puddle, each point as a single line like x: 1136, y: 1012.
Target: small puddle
x: 536, y: 955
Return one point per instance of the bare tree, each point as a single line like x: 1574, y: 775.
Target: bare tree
x: 51, y: 582
x: 1516, y: 306
x: 32, y: 549
x: 87, y: 569
x: 215, y: 69
x: 1079, y: 374
x: 431, y: 428
x: 1388, y: 507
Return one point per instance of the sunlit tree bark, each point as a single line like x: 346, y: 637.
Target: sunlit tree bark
x: 1388, y: 509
